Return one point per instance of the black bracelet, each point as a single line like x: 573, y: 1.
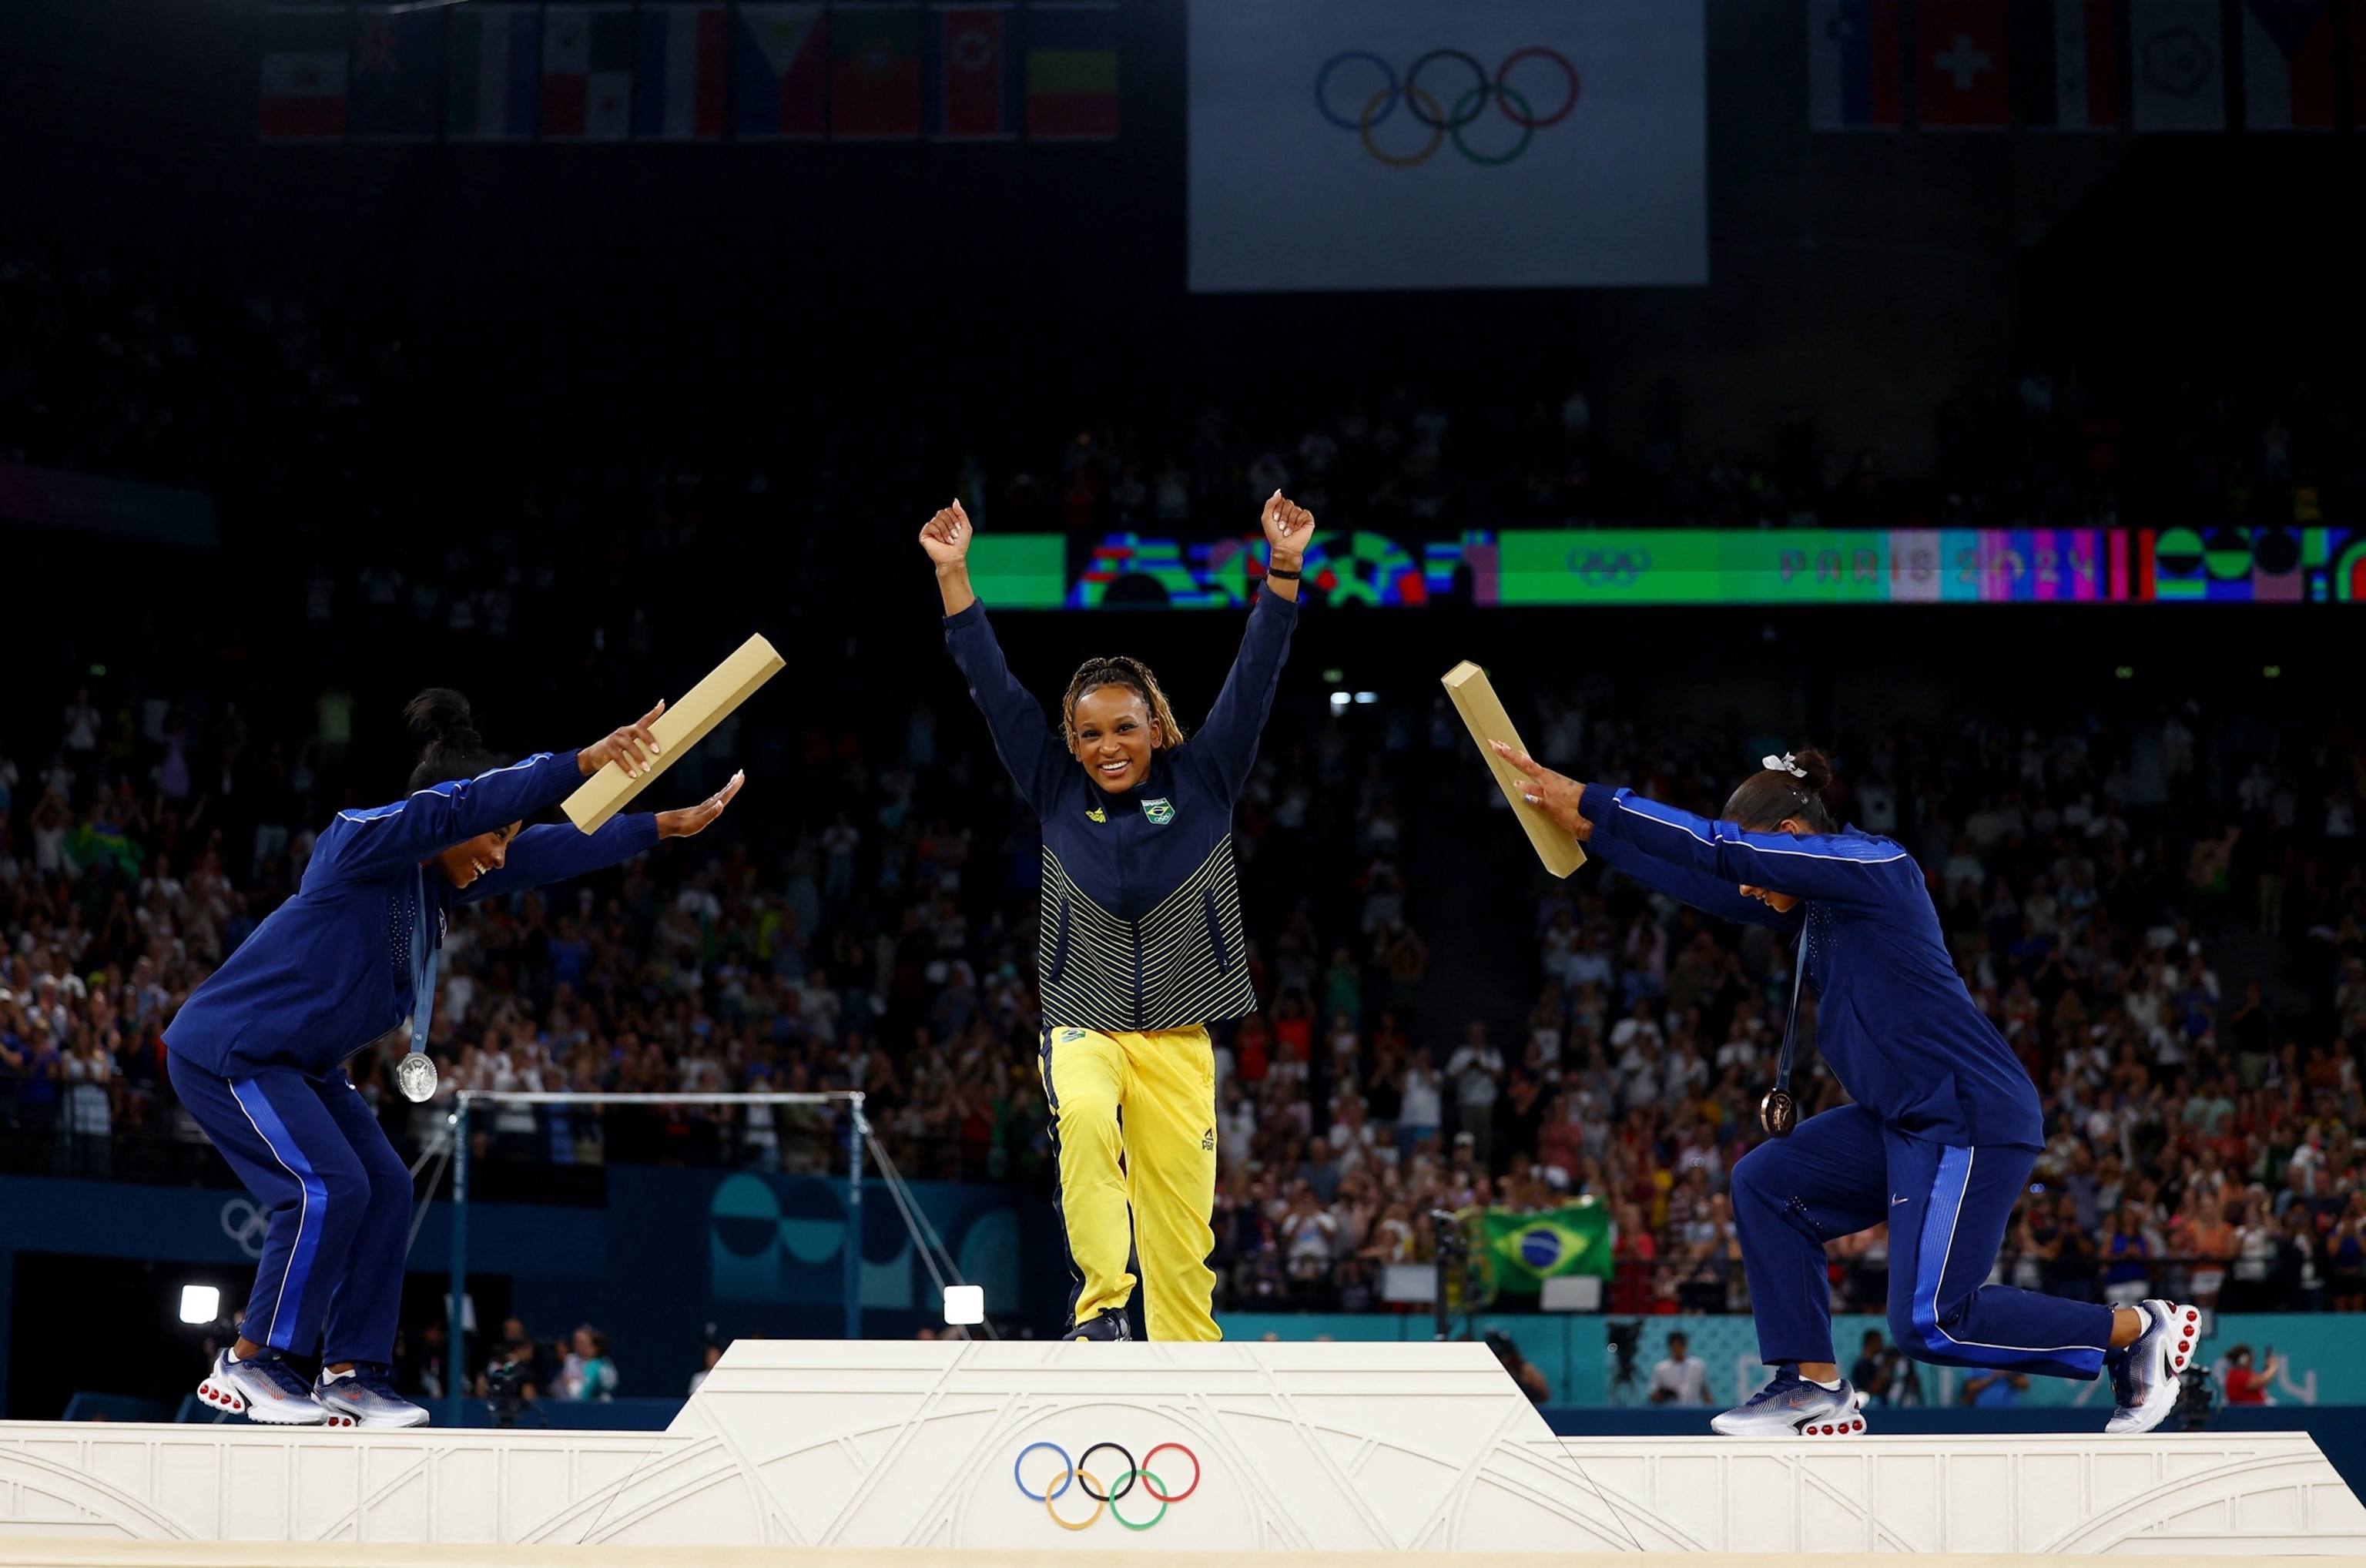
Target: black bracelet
x: 1277, y: 572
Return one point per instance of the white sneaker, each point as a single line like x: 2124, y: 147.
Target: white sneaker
x: 2144, y: 1375
x: 264, y: 1388
x: 1791, y: 1406
x: 364, y: 1396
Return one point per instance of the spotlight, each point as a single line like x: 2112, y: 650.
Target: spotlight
x: 2273, y: 670
x: 1365, y: 699
x: 964, y: 1304
x: 200, y: 1304
x: 2125, y: 672
x: 1339, y: 701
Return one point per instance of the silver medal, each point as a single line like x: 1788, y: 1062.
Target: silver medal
x: 415, y: 1073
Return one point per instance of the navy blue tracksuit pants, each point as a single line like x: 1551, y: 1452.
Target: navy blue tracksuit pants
x: 339, y: 1197
x: 1844, y: 1171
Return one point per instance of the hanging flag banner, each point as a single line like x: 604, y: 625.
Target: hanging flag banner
x: 1072, y: 71
x: 972, y: 73
x: 304, y: 73
x: 1962, y: 80
x: 1354, y: 145
x: 1517, y: 1251
x: 2288, y: 64
x: 2065, y: 64
x: 875, y: 71
x: 496, y: 70
x: 2176, y: 65
x: 587, y: 73
x: 779, y: 72
x: 680, y: 73
x: 398, y: 72
x: 1852, y: 78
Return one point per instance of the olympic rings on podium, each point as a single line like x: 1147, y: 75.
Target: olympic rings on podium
x: 1114, y: 1493
x: 1099, y: 1503
x: 1423, y: 105
x: 1104, y: 1499
x: 1154, y: 1486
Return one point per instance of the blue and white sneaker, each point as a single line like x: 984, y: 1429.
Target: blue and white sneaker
x: 1791, y: 1406
x: 364, y: 1396
x: 263, y: 1389
x: 2145, y: 1376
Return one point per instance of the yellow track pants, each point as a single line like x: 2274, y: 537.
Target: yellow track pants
x: 1133, y: 1122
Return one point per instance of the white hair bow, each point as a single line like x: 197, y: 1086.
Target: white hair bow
x: 1788, y: 763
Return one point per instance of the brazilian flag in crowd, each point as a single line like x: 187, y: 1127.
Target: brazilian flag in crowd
x: 1517, y: 1251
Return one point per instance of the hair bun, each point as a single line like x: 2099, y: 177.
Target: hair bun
x: 439, y: 719
x: 1815, y: 769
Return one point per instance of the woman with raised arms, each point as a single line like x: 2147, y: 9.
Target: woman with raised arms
x: 1139, y: 943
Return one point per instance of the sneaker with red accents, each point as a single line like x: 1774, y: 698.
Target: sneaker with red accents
x: 262, y: 1388
x: 2144, y: 1375
x: 1791, y: 1406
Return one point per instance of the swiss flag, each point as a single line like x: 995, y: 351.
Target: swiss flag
x: 1960, y: 72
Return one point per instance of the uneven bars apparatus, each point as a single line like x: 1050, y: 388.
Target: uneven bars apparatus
x: 857, y: 1129
x: 595, y: 801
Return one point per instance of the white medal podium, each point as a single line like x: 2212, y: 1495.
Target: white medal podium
x: 1284, y: 1447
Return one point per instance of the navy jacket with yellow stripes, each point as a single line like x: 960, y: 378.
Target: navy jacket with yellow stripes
x: 1140, y: 926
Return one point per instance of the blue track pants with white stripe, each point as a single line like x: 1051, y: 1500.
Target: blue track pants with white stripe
x: 1844, y: 1171
x: 339, y: 1198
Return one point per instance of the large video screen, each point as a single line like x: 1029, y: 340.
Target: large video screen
x: 1352, y: 144
x: 1486, y: 570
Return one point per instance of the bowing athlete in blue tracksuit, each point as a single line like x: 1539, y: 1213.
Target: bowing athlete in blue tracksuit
x: 258, y: 1052
x: 1944, y: 1128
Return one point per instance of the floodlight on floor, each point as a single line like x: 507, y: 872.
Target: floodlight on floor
x: 200, y: 1303
x: 964, y: 1304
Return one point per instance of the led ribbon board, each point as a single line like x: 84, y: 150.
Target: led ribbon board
x: 1487, y: 568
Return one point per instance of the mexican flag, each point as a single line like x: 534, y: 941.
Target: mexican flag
x: 304, y: 73
x: 1519, y: 1251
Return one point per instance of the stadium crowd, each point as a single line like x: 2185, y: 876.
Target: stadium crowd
x: 2166, y: 918
x: 2089, y: 878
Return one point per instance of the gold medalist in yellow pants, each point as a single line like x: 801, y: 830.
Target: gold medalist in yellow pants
x: 1134, y: 1123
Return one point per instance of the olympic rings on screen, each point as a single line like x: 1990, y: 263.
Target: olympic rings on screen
x: 1423, y: 105
x: 1105, y: 1499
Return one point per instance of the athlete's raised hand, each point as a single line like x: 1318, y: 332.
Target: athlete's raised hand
x: 1556, y: 797
x: 947, y: 536
x: 629, y: 748
x: 692, y: 819
x: 1288, y: 527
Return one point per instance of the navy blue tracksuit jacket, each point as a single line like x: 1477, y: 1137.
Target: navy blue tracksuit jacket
x: 1142, y: 912
x: 1944, y: 1125
x: 257, y: 1053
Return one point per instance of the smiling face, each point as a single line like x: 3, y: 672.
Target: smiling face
x: 1115, y: 736
x: 466, y: 860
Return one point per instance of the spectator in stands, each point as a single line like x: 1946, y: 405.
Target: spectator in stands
x: 588, y: 1372
x: 1476, y: 1071
x: 1522, y: 1372
x: 2243, y: 1386
x: 1680, y: 1377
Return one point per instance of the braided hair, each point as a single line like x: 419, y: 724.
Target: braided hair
x: 1788, y: 788
x: 445, y: 733
x: 1135, y: 677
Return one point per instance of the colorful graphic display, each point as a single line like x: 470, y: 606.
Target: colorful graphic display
x: 1484, y: 569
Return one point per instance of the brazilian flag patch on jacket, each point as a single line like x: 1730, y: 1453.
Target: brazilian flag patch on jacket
x: 1160, y: 812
